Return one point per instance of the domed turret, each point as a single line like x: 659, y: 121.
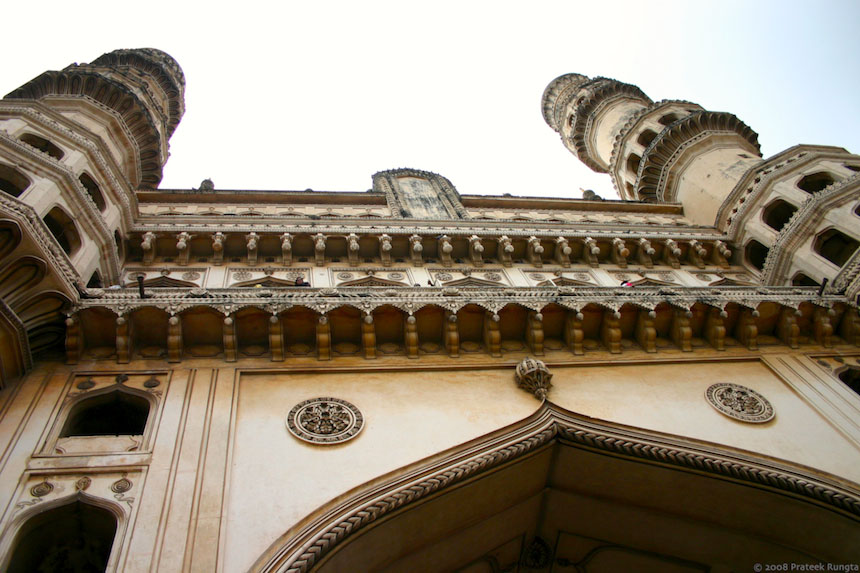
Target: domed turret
x: 144, y: 89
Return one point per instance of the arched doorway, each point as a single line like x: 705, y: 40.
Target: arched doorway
x: 560, y: 491
x: 75, y: 537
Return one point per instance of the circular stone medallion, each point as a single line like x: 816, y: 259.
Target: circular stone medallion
x: 325, y: 421
x: 740, y: 403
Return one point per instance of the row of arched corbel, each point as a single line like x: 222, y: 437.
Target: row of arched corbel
x: 608, y: 323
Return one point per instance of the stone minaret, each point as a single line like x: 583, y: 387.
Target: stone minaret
x: 793, y: 218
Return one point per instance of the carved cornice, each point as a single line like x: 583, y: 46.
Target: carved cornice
x: 802, y: 224
x: 411, y: 299
x: 78, y: 82
x: 310, y: 542
x: 658, y: 159
x: 496, y: 228
x: 595, y: 95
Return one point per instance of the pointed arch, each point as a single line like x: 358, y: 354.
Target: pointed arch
x: 421, y: 510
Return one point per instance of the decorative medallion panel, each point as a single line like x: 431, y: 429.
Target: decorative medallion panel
x: 325, y: 421
x: 740, y: 403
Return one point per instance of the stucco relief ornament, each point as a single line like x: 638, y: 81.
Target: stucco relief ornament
x: 325, y: 421
x: 740, y: 403
x: 533, y: 376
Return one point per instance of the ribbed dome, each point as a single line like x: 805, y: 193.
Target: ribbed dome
x: 565, y: 84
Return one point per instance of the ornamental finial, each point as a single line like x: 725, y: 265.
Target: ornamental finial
x: 533, y: 376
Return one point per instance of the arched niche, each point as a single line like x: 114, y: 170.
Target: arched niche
x: 835, y: 246
x: 430, y: 322
x: 20, y: 277
x: 43, y: 145
x: 63, y: 229
x: 345, y: 330
x: 203, y: 332
x: 12, y: 181
x: 554, y: 317
x: 114, y: 412
x: 815, y: 182
x: 755, y: 254
x: 850, y: 376
x: 148, y: 326
x: 777, y: 213
x: 298, y: 325
x: 45, y: 307
x: 513, y: 320
x: 470, y: 324
x: 599, y: 496
x: 10, y: 237
x: 388, y: 324
x: 98, y: 327
x: 252, y: 331
x: 93, y: 190
x: 76, y: 535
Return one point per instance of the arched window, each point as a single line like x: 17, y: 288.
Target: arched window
x: 43, y: 145
x: 756, y: 253
x: 63, y: 229
x: 669, y: 119
x: 633, y: 163
x: 12, y: 181
x: 77, y: 536
x: 835, y: 246
x: 777, y: 214
x: 115, y: 413
x: 93, y: 189
x: 646, y: 137
x: 815, y: 182
x: 801, y: 279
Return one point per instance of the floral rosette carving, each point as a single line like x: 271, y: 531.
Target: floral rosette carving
x: 325, y: 421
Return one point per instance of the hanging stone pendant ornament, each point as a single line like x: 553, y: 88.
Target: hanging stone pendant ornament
x: 533, y: 376
x: 740, y: 403
x: 325, y: 421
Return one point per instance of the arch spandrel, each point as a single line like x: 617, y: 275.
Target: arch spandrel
x: 475, y: 497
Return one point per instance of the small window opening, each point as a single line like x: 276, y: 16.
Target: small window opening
x: 646, y: 137
x: 777, y: 214
x: 93, y: 190
x: 816, y: 182
x: 756, y: 253
x: 633, y: 163
x: 851, y: 377
x: 63, y: 229
x: 74, y: 537
x: 12, y: 181
x: 43, y: 145
x: 801, y: 279
x: 116, y: 413
x: 669, y: 119
x: 835, y: 246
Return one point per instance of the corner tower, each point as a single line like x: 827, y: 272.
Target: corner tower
x: 135, y: 97
x: 666, y: 151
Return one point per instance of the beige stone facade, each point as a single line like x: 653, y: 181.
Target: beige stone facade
x: 410, y: 379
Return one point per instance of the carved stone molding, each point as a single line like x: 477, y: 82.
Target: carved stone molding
x: 740, y: 403
x: 325, y: 421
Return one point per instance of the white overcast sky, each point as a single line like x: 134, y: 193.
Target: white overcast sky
x: 321, y: 95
